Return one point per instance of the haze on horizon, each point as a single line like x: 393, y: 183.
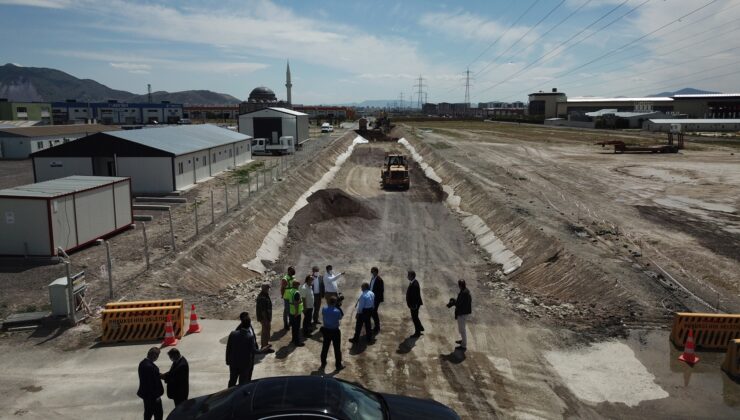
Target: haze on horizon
x: 343, y: 52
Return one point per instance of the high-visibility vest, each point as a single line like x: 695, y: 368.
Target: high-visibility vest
x: 290, y: 295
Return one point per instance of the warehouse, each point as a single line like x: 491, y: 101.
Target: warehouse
x: 273, y: 123
x: 114, y: 112
x: 19, y: 143
x: 693, y: 125
x: 158, y: 160
x: 65, y: 213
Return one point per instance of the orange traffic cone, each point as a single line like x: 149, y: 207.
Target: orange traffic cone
x: 194, y: 326
x: 688, y: 355
x: 169, y: 333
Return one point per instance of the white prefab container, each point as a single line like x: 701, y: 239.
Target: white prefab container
x: 65, y: 213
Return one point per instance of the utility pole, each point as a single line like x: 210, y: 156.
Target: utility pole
x: 420, y: 91
x: 467, y: 88
x: 401, y: 101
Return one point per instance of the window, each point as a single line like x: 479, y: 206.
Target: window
x: 205, y: 162
x: 21, y: 109
x: 179, y: 168
x: 39, y: 144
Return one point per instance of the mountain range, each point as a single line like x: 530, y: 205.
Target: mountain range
x: 50, y: 85
x: 684, y: 91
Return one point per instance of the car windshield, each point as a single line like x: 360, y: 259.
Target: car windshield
x: 359, y: 403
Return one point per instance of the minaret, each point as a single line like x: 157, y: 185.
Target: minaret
x: 288, y: 85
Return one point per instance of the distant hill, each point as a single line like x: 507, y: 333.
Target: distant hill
x: 377, y: 103
x: 684, y: 91
x: 44, y: 84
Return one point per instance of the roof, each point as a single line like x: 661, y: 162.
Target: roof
x: 283, y: 110
x: 61, y: 186
x: 620, y: 114
x: 707, y: 95
x: 18, y: 123
x: 53, y: 130
x: 180, y: 140
x: 594, y: 99
x: 696, y: 121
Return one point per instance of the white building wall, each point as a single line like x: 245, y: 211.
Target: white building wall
x: 151, y: 175
x: 222, y: 158
x: 246, y: 125
x: 243, y: 152
x: 122, y: 191
x: 202, y: 166
x: 185, y: 170
x: 95, y: 213
x: 24, y: 220
x: 47, y: 168
x: 290, y: 126
x: 302, y: 128
x: 63, y: 222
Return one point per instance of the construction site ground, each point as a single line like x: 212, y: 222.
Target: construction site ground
x: 580, y: 330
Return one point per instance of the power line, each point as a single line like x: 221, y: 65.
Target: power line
x: 552, y: 51
x: 503, y: 33
x: 552, y: 28
x: 522, y: 37
x: 611, y: 52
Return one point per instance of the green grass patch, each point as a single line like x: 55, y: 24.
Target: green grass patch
x: 243, y: 173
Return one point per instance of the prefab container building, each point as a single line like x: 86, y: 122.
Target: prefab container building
x: 158, y: 160
x: 64, y: 213
x: 273, y: 123
x: 20, y: 142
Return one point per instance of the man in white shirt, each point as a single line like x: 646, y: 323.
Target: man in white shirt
x: 306, y: 291
x: 330, y: 283
x: 318, y: 292
x: 365, y: 306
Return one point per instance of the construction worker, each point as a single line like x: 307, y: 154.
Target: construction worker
x: 365, y: 305
x: 285, y: 282
x: 306, y: 291
x: 264, y: 317
x: 293, y: 296
x: 463, y: 308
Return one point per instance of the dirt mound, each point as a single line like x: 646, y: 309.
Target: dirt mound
x: 328, y: 204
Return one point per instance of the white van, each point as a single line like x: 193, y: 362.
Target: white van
x: 326, y: 128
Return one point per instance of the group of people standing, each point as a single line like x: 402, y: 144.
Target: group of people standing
x: 301, y: 305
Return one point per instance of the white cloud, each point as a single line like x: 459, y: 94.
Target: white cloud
x: 135, y: 68
x: 48, y: 4
x: 467, y: 26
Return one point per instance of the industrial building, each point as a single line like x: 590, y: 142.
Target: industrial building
x: 205, y: 113
x: 694, y: 125
x: 273, y: 123
x: 65, y: 213
x: 158, y: 160
x: 19, y: 143
x: 114, y: 112
x: 25, y: 111
x: 320, y: 112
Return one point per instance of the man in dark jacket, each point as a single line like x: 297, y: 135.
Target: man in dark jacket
x: 413, y: 301
x: 264, y: 316
x: 178, y: 378
x: 150, y: 385
x: 378, y: 289
x: 463, y: 308
x: 240, y: 350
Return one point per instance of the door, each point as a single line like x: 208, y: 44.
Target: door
x: 111, y: 166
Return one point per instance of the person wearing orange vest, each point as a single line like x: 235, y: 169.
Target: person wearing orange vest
x: 293, y: 297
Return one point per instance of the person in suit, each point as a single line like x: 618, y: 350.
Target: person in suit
x: 463, y: 308
x: 414, y: 302
x: 377, y: 287
x: 150, y: 386
x: 240, y: 350
x: 264, y: 316
x: 177, y: 378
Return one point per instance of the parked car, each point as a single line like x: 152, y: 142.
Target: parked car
x: 308, y: 397
x: 326, y: 128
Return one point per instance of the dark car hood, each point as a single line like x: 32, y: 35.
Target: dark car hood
x: 402, y: 408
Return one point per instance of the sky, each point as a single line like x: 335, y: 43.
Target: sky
x: 344, y: 51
